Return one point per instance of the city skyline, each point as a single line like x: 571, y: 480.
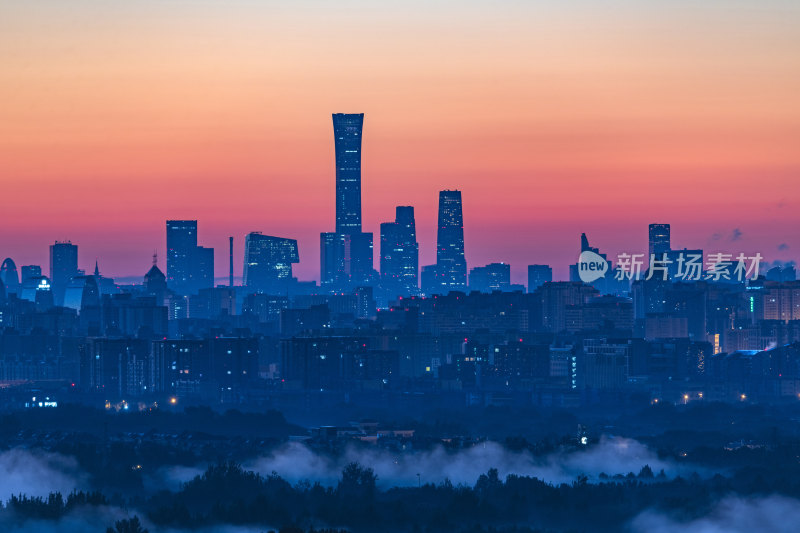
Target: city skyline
x: 605, y: 136
x: 450, y: 266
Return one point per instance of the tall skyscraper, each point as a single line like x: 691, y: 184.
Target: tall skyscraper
x: 268, y: 263
x: 658, y: 239
x: 538, y: 275
x: 346, y: 255
x: 63, y: 267
x: 400, y: 254
x: 451, y: 266
x: 181, y: 247
x: 347, y: 137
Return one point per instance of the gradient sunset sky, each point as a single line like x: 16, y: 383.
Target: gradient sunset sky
x: 553, y: 118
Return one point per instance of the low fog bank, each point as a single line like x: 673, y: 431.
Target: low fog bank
x: 611, y: 456
x: 773, y: 514
x: 38, y: 473
x: 296, y: 462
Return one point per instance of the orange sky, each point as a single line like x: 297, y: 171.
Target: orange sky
x: 596, y: 116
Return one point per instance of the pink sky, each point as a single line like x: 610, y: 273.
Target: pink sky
x: 597, y: 116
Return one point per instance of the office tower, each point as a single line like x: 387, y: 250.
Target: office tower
x: 346, y: 255
x: 268, y: 263
x: 658, y: 239
x: 203, y: 269
x: 347, y: 136
x: 451, y: 265
x: 538, y: 275
x: 189, y: 267
x: 9, y: 276
x: 400, y: 253
x: 490, y: 278
x: 29, y: 271
x: 181, y: 247
x: 63, y: 267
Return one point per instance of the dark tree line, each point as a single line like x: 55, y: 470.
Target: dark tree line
x: 228, y: 494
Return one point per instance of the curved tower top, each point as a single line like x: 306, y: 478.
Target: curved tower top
x: 9, y: 275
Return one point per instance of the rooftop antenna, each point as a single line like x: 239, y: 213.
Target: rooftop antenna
x: 155, y: 258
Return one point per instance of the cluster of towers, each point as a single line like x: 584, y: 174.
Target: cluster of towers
x: 346, y: 255
x: 30, y: 281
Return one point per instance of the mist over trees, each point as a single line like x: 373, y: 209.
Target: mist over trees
x: 228, y: 495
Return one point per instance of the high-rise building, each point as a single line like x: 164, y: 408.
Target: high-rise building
x: 490, y: 278
x: 450, y: 262
x: 400, y: 253
x: 538, y: 275
x: 189, y: 267
x: 202, y: 271
x: 658, y: 239
x: 181, y: 247
x: 347, y: 129
x: 9, y: 276
x: 268, y: 263
x: 346, y: 255
x: 63, y: 267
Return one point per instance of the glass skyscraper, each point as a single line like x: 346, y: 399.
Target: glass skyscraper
x: 347, y: 136
x: 181, y: 246
x: 268, y: 263
x: 400, y: 253
x: 658, y: 239
x: 451, y: 266
x: 63, y: 267
x: 346, y: 254
x: 189, y: 267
